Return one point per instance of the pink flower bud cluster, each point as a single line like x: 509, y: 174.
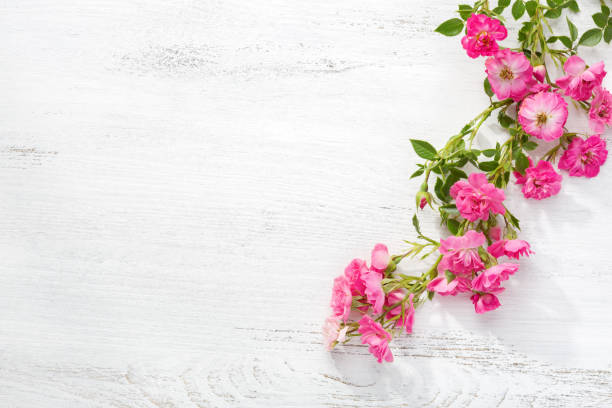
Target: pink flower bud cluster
x: 543, y: 112
x: 464, y: 270
x: 363, y: 284
x: 371, y: 301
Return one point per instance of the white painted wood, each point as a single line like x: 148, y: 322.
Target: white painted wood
x: 181, y: 180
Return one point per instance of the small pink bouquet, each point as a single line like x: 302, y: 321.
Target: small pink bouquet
x: 374, y: 301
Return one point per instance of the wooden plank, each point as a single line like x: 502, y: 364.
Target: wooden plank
x: 181, y: 181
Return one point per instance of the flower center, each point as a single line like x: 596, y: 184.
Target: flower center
x: 506, y: 73
x: 587, y: 158
x: 541, y: 119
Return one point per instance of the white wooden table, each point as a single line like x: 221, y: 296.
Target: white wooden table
x: 182, y: 179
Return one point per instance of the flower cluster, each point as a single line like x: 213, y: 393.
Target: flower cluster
x: 377, y: 302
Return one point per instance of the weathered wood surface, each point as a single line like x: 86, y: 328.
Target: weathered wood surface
x: 181, y: 180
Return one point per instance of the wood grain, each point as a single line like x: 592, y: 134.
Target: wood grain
x: 181, y: 180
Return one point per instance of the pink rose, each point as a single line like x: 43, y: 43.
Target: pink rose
x: 408, y: 320
x: 460, y: 254
x: 495, y: 233
x: 510, y: 74
x: 476, y: 197
x: 482, y: 35
x: 367, y: 281
x: 539, y: 73
x: 510, y: 248
x: 355, y: 272
x: 342, y: 298
x: 539, y: 182
x: 600, y: 113
x: 380, y: 258
x: 374, y: 291
x: 584, y: 157
x: 485, y: 302
x: 377, y: 338
x: 490, y: 279
x: 332, y: 332
x: 441, y: 286
x: 543, y: 115
x: 580, y: 81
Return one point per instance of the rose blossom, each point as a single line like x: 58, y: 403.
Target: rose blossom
x: 485, y: 302
x: 380, y: 258
x: 374, y: 291
x: 584, y: 157
x: 495, y: 233
x: 600, y: 113
x: 443, y: 287
x: 460, y: 254
x: 490, y: 279
x: 475, y: 197
x: 543, y: 115
x: 482, y: 35
x: 355, y: 272
x: 357, y: 268
x: 510, y: 74
x: 510, y: 248
x: 332, y: 332
x: 342, y: 298
x: 539, y: 182
x: 373, y: 334
x: 539, y: 72
x: 408, y: 320
x: 580, y: 81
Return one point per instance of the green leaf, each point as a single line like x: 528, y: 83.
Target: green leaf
x: 504, y: 120
x: 553, y: 13
x: 498, y: 10
x: 566, y: 41
x: 450, y: 27
x: 430, y: 294
x: 487, y: 88
x: 488, y: 165
x: 465, y: 13
x: 608, y: 33
x: 439, y: 190
x: 605, y: 10
x: 453, y: 226
x: 449, y: 276
x: 450, y: 180
x: 530, y: 145
x: 417, y: 173
x: 424, y: 149
x: 573, y: 5
x: 591, y: 37
x: 531, y: 6
x: 518, y: 9
x: 572, y: 29
x: 600, y: 19
x: 522, y: 162
x: 472, y: 154
x: 513, y: 220
x: 415, y: 222
x: 552, y: 39
x: 489, y: 152
x: 503, y: 3
x: 458, y: 173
